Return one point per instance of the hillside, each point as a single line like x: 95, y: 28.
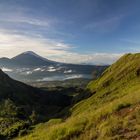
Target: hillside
x: 111, y: 113
x: 22, y: 106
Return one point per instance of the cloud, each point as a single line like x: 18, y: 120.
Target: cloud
x: 22, y: 20
x: 14, y: 16
x: 92, y: 58
x: 134, y: 42
x: 104, y: 25
x: 25, y: 20
x: 17, y: 43
x: 13, y: 44
x: 131, y: 44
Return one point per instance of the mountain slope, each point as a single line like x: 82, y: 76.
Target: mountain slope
x: 30, y: 59
x: 111, y: 113
x: 22, y: 105
x: 23, y: 93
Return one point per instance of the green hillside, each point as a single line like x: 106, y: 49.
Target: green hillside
x: 22, y: 106
x: 111, y: 113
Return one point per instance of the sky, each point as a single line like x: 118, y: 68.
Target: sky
x: 71, y: 31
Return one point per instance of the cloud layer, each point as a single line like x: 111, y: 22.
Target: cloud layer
x: 12, y: 44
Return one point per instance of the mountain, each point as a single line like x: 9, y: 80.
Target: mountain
x: 21, y: 105
x: 30, y: 59
x: 30, y: 67
x: 26, y: 59
x: 112, y: 112
x: 5, y: 61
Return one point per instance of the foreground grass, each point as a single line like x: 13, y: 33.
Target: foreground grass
x: 111, y: 113
x: 121, y: 114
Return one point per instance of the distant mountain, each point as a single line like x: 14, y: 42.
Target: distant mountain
x: 5, y: 61
x: 25, y: 59
x: 29, y: 66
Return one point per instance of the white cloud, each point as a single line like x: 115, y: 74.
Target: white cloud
x: 95, y: 58
x: 25, y: 20
x: 14, y: 13
x: 6, y: 69
x: 13, y: 44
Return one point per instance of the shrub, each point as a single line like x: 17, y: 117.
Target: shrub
x: 23, y: 132
x: 122, y: 105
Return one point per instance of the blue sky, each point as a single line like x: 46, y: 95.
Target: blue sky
x: 73, y: 31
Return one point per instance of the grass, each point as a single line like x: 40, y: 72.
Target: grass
x: 103, y: 120
x: 111, y: 113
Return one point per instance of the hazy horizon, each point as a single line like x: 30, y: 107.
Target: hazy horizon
x: 95, y: 62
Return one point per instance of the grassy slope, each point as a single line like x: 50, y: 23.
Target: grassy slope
x: 112, y: 112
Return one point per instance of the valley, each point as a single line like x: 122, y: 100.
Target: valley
x: 69, y: 69
x: 24, y: 105
x: 64, y: 112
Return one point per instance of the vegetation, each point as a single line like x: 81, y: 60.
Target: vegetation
x: 112, y: 112
x: 22, y: 106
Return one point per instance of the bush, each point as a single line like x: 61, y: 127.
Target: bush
x: 13, y: 129
x: 33, y: 117
x: 122, y: 105
x: 23, y: 132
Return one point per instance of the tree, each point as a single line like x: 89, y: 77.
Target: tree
x: 8, y: 109
x: 33, y: 117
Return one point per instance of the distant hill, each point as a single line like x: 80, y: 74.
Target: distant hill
x: 111, y: 113
x: 30, y: 67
